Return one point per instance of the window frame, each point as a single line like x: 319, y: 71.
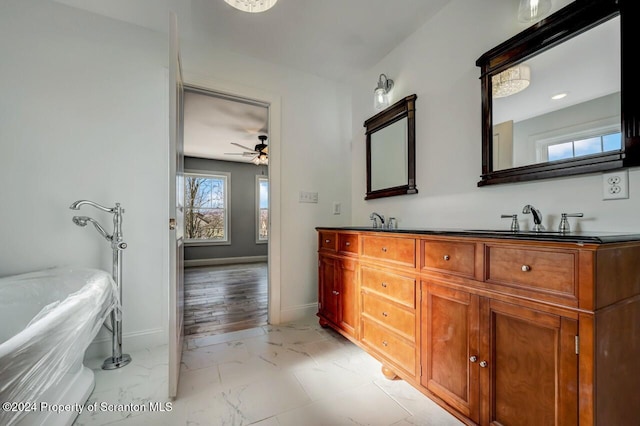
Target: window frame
x: 260, y: 178
x: 572, y: 134
x: 226, y: 176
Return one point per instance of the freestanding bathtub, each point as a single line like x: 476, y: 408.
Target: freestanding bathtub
x: 48, y: 319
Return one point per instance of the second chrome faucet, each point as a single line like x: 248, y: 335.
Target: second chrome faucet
x: 391, y: 224
x: 537, y: 217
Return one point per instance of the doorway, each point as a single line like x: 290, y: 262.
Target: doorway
x: 226, y: 210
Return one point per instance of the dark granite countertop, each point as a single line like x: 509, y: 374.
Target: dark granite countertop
x: 575, y: 237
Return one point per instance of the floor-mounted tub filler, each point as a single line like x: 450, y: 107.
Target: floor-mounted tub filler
x: 117, y: 358
x: 48, y: 319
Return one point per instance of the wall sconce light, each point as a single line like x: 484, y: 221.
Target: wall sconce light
x: 531, y: 11
x: 381, y: 94
x: 510, y: 81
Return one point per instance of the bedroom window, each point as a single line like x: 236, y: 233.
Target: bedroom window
x: 262, y: 207
x: 206, y: 208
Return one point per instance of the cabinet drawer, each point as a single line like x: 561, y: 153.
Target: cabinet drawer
x: 396, y: 287
x: 551, y: 271
x: 449, y: 256
x: 385, y: 312
x: 348, y: 243
x: 328, y: 240
x: 390, y: 345
x: 401, y: 251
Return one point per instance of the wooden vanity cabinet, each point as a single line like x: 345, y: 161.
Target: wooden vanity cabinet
x: 338, y: 281
x: 503, y: 331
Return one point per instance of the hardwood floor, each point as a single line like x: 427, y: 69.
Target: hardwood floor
x: 221, y: 299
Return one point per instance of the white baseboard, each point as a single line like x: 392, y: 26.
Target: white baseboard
x: 297, y: 313
x: 224, y: 261
x: 131, y: 342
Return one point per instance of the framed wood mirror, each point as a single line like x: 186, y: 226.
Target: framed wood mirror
x: 595, y: 127
x: 391, y: 150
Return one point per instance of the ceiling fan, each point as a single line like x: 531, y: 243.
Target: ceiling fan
x: 260, y: 153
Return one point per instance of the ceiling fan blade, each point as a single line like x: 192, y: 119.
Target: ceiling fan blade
x: 234, y: 153
x: 242, y: 146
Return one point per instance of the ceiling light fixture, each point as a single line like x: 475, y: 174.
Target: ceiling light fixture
x: 510, y: 81
x: 531, y: 11
x: 252, y: 6
x: 381, y: 93
x: 559, y: 96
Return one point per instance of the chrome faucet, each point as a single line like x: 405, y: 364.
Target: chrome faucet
x: 537, y: 217
x: 374, y: 217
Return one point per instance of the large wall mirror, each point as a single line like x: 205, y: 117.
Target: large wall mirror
x: 580, y: 109
x: 391, y: 147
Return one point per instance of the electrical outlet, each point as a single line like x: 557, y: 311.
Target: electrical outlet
x: 615, y: 185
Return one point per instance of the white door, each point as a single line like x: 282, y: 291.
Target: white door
x: 176, y: 193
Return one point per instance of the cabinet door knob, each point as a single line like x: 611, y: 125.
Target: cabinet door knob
x: 384, y: 249
x: 384, y: 314
x: 327, y: 241
x: 446, y: 257
x: 384, y: 343
x: 384, y: 285
x: 347, y: 244
x: 336, y: 292
x: 484, y: 364
x: 473, y: 358
x: 526, y: 268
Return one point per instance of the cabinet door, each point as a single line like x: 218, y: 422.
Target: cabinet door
x: 347, y: 299
x: 530, y: 372
x: 449, y: 347
x: 327, y: 291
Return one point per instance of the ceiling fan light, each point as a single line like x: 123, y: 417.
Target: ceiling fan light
x: 252, y: 6
x: 256, y: 161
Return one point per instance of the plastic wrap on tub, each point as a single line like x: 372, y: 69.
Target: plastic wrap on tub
x: 47, y: 320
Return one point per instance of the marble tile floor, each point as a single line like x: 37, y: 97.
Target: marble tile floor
x: 293, y: 374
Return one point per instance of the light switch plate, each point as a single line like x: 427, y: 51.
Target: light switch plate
x: 615, y: 185
x: 308, y: 197
x: 336, y: 207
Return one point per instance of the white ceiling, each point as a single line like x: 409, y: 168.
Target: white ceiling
x: 334, y: 39
x: 211, y: 124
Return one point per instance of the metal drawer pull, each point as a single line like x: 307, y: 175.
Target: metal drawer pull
x: 327, y: 241
x: 384, y: 249
x: 526, y: 268
x: 473, y: 358
x: 384, y: 285
x: 347, y: 244
x: 384, y: 314
x: 336, y: 292
x: 384, y: 343
x: 484, y: 364
x: 446, y: 257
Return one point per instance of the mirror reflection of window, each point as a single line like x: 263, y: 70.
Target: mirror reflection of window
x: 587, y: 69
x: 389, y: 156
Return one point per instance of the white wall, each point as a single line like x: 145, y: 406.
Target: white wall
x: 83, y: 114
x: 314, y: 155
x: 438, y: 64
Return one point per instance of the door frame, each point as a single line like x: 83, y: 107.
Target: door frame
x: 211, y: 84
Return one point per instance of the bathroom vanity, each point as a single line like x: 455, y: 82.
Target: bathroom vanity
x: 499, y: 328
